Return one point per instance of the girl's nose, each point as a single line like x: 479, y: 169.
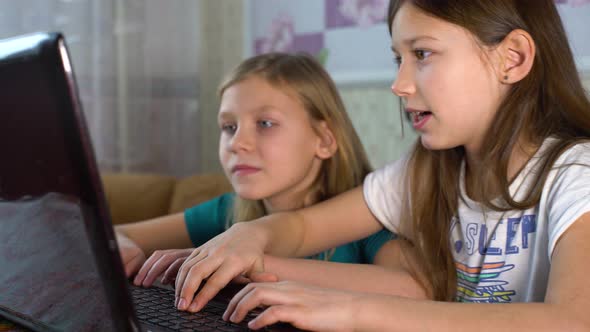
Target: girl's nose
x: 242, y: 140
x: 403, y: 85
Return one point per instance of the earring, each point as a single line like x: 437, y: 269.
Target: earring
x: 505, y: 77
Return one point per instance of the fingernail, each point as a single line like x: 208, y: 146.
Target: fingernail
x: 181, y: 304
x: 194, y: 307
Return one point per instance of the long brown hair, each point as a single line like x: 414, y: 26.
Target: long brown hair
x: 303, y: 75
x: 550, y: 101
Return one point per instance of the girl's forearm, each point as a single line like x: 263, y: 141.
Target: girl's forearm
x: 281, y: 234
x: 388, y: 313
x: 310, y: 230
x: 352, y: 277
x: 167, y: 232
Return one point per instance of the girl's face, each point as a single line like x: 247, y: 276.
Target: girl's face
x: 268, y: 147
x: 445, y: 79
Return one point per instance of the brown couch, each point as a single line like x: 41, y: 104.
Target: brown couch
x: 140, y: 196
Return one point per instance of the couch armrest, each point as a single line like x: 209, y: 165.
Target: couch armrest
x: 196, y: 189
x: 135, y: 196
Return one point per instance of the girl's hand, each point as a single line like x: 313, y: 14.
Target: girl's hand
x: 169, y: 261
x: 131, y: 254
x: 165, y: 262
x: 305, y: 307
x: 239, y: 251
x: 256, y: 277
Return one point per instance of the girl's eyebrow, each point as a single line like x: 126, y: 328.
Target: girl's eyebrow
x: 412, y: 41
x: 229, y: 113
x: 269, y: 109
x: 226, y: 114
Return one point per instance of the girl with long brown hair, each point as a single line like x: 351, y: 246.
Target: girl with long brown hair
x: 491, y: 205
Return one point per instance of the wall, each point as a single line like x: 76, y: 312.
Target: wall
x: 375, y: 113
x: 221, y: 45
x: 373, y: 109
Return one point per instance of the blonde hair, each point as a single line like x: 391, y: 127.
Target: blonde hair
x: 303, y: 75
x: 550, y: 101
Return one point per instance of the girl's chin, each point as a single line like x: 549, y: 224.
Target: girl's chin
x: 431, y: 143
x: 427, y: 142
x: 248, y: 194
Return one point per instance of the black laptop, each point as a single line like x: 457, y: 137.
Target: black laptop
x: 59, y: 264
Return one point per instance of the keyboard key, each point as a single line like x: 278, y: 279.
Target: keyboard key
x: 156, y: 305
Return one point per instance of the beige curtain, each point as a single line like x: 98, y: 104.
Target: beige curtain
x: 136, y: 62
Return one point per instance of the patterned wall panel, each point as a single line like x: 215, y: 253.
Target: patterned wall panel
x: 375, y: 113
x: 373, y: 109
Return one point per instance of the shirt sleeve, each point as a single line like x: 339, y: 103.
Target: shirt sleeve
x: 568, y: 196
x: 208, y: 219
x: 383, y: 190
x: 371, y: 245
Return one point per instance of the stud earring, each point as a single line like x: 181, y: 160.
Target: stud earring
x: 505, y: 77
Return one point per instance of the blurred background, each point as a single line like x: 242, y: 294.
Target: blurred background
x: 148, y: 70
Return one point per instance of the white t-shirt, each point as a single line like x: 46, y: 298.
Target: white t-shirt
x: 502, y: 256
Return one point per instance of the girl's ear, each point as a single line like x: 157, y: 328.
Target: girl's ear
x: 327, y: 143
x: 517, y: 54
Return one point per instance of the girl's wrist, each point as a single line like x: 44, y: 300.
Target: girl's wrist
x: 362, y: 313
x: 370, y: 312
x: 265, y: 230
x: 257, y: 232
x: 122, y: 238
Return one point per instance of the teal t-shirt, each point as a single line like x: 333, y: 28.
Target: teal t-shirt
x: 208, y: 219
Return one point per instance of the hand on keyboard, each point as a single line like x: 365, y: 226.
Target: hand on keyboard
x: 166, y: 262
x: 305, y: 307
x: 131, y: 254
x: 237, y: 251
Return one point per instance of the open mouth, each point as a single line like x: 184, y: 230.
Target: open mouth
x: 417, y: 117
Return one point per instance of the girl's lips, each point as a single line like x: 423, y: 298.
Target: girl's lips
x: 242, y: 170
x: 419, y: 119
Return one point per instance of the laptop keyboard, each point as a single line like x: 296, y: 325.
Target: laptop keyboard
x: 156, y: 306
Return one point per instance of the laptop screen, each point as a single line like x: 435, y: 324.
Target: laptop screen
x: 52, y: 210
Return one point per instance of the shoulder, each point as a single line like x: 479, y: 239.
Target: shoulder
x: 388, y: 173
x: 566, y: 193
x: 576, y: 154
x: 222, y: 202
x: 571, y: 166
x: 226, y: 199
x: 572, y: 163
x: 383, y: 192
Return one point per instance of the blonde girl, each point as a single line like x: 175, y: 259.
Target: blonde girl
x: 286, y: 142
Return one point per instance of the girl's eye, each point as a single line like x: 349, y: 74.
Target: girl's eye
x: 398, y: 60
x: 422, y: 54
x: 230, y: 128
x: 265, y: 124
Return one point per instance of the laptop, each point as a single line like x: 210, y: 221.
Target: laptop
x: 59, y: 264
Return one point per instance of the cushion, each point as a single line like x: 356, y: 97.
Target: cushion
x: 135, y: 196
x: 196, y: 189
